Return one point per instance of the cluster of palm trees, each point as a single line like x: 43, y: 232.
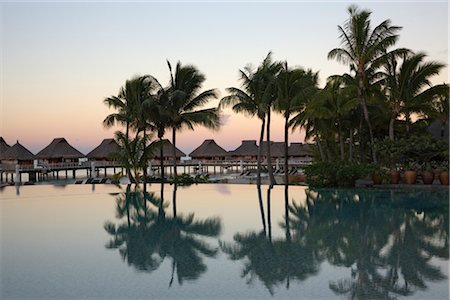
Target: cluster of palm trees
x: 145, y: 107
x: 385, y: 87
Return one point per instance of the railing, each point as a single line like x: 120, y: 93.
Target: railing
x: 154, y: 163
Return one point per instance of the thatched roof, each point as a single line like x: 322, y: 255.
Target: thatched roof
x: 59, y: 148
x: 104, y: 150
x: 18, y: 152
x: 167, y: 150
x: 276, y: 149
x: 208, y: 148
x: 3, y: 147
x: 247, y: 148
x: 299, y: 149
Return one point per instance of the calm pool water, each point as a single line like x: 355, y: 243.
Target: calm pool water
x: 218, y: 242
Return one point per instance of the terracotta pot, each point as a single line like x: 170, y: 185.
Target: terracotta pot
x: 376, y: 179
x: 427, y: 177
x: 443, y: 177
x: 410, y: 177
x: 395, y: 177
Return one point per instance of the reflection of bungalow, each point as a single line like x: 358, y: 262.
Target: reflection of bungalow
x: 18, y: 154
x: 299, y: 151
x: 3, y: 147
x: 209, y: 150
x: 276, y: 150
x: 248, y: 150
x: 104, y: 151
x: 167, y: 151
x: 59, y: 150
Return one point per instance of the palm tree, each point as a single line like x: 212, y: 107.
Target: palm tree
x: 253, y: 99
x: 185, y: 98
x: 129, y: 106
x: 294, y: 87
x: 364, y: 48
x: 408, y: 86
x: 267, y: 73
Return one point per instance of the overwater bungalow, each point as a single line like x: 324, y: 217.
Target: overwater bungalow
x: 3, y: 147
x: 104, y: 151
x: 59, y: 150
x: 209, y: 150
x: 18, y: 154
x: 276, y: 150
x: 300, y: 151
x: 248, y: 150
x: 167, y: 151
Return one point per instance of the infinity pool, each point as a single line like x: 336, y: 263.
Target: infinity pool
x: 223, y: 242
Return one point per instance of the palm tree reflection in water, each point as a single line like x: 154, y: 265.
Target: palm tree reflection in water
x: 149, y: 236
x: 386, y: 238
x: 272, y: 261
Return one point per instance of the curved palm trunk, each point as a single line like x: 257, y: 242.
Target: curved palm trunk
x: 286, y: 154
x: 261, y: 209
x: 286, y: 212
x: 174, y: 153
x: 319, y: 144
x: 341, y: 140
x: 174, y: 200
x: 269, y: 156
x: 362, y: 98
x: 408, y: 121
x: 269, y: 220
x: 391, y: 128
x: 350, y: 146
x: 127, y: 145
x: 261, y: 137
x: 161, y: 157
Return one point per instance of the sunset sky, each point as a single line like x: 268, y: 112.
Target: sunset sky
x: 60, y: 60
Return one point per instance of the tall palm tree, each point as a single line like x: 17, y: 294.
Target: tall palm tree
x: 257, y: 91
x: 267, y: 73
x: 364, y: 48
x: 408, y: 86
x: 129, y: 106
x: 294, y: 88
x: 185, y: 98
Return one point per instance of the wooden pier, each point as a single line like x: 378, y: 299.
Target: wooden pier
x: 47, y: 171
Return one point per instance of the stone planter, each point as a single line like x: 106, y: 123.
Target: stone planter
x: 427, y: 177
x: 410, y: 177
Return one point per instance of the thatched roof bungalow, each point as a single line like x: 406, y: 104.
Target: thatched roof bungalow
x: 104, y: 151
x: 167, y: 151
x: 18, y: 154
x: 209, y: 150
x: 59, y: 150
x: 3, y: 147
x: 276, y: 149
x: 248, y: 150
x: 299, y: 150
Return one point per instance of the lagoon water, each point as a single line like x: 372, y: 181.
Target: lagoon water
x: 106, y: 242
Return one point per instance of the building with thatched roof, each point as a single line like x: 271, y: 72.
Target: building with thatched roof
x: 209, y: 150
x: 59, y: 150
x: 167, y: 151
x: 3, y: 147
x: 18, y: 154
x: 104, y: 151
x: 248, y: 150
x: 300, y: 151
x: 276, y: 149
